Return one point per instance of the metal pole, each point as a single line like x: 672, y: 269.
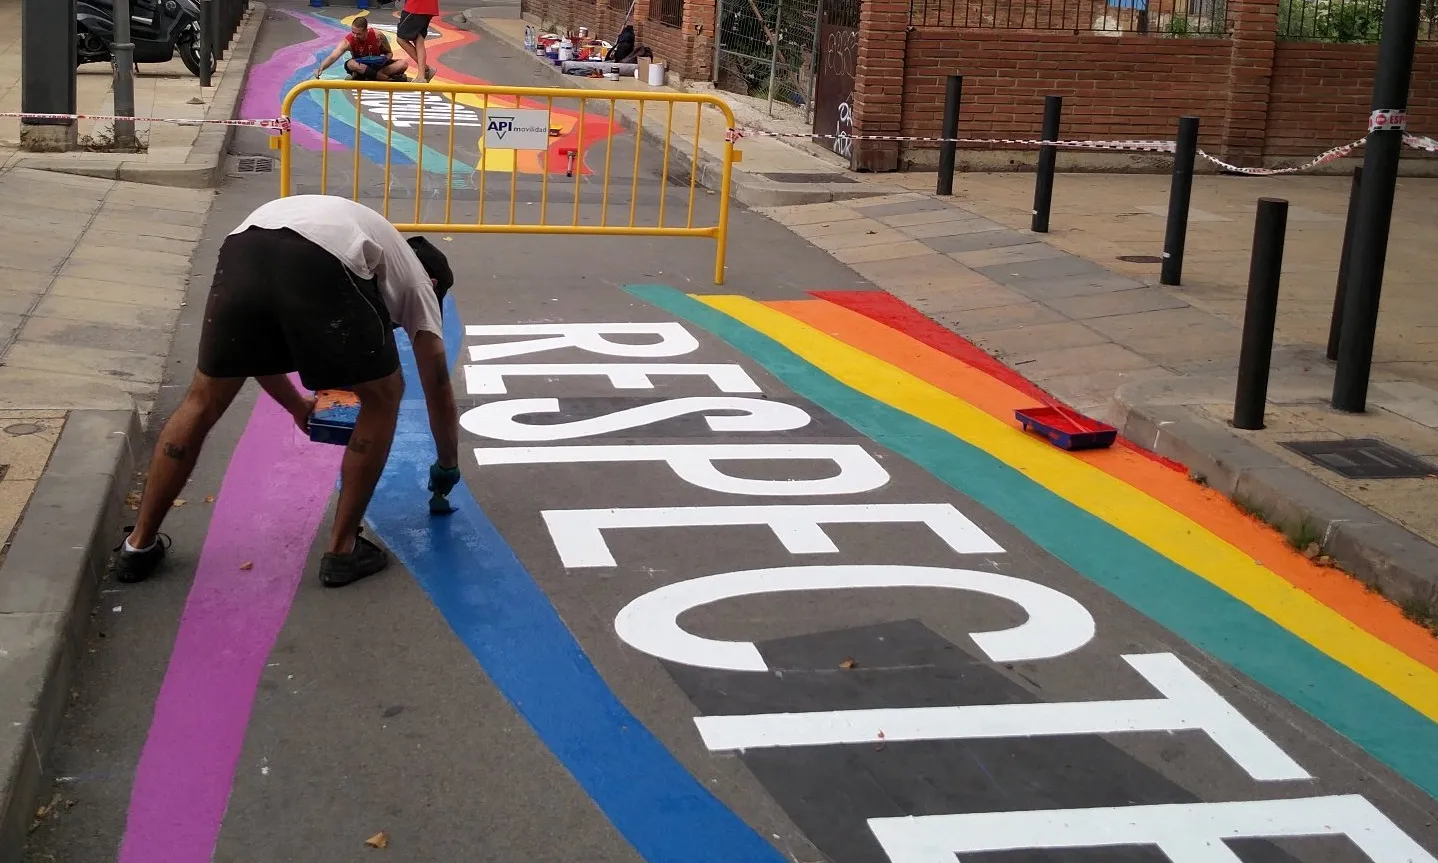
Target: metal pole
x: 1178, y: 196
x: 1260, y: 314
x: 813, y: 65
x: 774, y: 56
x: 1048, y: 156
x: 123, y: 50
x: 718, y: 36
x: 207, y: 57
x: 47, y: 73
x: 217, y: 27
x: 1375, y: 205
x: 953, y: 94
x: 1335, y: 324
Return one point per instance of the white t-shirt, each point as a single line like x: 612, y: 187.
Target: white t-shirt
x: 367, y: 244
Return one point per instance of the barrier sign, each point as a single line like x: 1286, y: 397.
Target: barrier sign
x: 516, y: 129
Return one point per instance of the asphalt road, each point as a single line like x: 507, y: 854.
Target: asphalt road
x: 495, y: 696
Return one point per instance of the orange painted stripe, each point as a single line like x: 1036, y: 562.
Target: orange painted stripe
x: 1338, y: 591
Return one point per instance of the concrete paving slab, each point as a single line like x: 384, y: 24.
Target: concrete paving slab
x: 900, y: 208
x: 952, y: 227
x: 1125, y: 302
x: 982, y: 320
x: 1044, y: 272
x: 145, y: 294
x: 1035, y: 251
x: 884, y: 252
x: 1037, y: 338
x: 974, y: 241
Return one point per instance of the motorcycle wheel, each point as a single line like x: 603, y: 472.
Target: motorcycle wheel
x: 189, y: 50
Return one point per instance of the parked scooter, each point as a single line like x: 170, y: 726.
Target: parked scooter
x: 157, y: 28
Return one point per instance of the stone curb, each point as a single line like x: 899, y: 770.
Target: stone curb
x: 48, y: 585
x: 745, y: 188
x: 1370, y: 547
x: 204, y: 168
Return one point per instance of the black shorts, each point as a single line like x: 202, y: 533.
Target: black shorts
x: 279, y: 304
x: 412, y: 28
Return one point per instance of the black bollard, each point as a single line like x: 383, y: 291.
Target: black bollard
x: 1261, y: 313
x: 949, y: 148
x: 1179, y: 193
x: 215, y: 34
x: 207, y: 12
x: 1048, y: 157
x: 1335, y: 324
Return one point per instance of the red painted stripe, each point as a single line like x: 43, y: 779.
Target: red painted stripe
x: 893, y: 312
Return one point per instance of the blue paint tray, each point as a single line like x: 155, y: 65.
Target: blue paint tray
x: 1067, y: 430
x: 334, y: 418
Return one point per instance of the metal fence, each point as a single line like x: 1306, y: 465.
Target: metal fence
x: 460, y: 158
x: 766, y: 48
x: 1346, y: 21
x: 1170, y: 18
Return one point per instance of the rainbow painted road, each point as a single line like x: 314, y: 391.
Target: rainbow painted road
x: 382, y: 126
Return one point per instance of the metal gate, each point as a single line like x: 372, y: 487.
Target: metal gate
x: 838, y: 59
x: 766, y: 48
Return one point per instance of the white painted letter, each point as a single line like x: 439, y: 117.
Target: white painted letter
x: 1057, y: 624
x: 674, y: 340
x: 488, y: 380
x: 694, y: 463
x: 496, y: 420
x: 1187, y: 703
x: 1184, y: 832
x: 578, y: 537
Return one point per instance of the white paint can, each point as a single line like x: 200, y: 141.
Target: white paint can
x: 656, y: 74
x: 566, y: 50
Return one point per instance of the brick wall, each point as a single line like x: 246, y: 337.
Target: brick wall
x: 1321, y: 95
x: 1258, y: 99
x: 687, y: 49
x: 1108, y: 83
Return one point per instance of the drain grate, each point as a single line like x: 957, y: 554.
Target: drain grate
x: 780, y: 177
x: 1362, y: 458
x: 1141, y: 259
x: 254, y: 165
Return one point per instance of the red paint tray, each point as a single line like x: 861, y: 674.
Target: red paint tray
x: 1067, y: 430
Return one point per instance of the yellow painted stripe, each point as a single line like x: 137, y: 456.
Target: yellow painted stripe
x: 1147, y: 520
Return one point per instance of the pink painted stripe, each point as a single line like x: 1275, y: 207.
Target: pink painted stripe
x: 267, y: 512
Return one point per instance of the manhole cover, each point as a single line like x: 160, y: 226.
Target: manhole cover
x: 781, y: 177
x: 1362, y: 458
x: 254, y: 165
x: 1141, y: 259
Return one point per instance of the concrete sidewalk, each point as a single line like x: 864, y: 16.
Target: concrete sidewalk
x: 190, y: 156
x: 772, y: 172
x: 1160, y: 363
x: 93, y: 274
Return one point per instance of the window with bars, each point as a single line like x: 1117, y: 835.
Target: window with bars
x: 670, y: 12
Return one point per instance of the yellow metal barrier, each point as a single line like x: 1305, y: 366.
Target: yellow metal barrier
x: 489, y: 114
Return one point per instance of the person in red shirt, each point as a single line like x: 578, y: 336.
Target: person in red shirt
x: 412, y: 29
x: 371, y: 57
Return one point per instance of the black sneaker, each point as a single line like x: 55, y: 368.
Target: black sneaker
x: 338, y: 570
x: 134, y: 566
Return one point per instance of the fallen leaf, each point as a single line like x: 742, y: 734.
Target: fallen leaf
x: 1325, y: 560
x: 881, y: 734
x: 209, y: 498
x: 848, y: 663
x: 132, y: 500
x: 1311, y: 550
x: 379, y: 840
x: 247, y: 565
x: 179, y: 502
x: 448, y: 239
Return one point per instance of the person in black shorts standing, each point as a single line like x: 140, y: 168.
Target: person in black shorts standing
x: 412, y: 30
x: 314, y: 284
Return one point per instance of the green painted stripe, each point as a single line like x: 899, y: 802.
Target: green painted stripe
x: 1177, y: 599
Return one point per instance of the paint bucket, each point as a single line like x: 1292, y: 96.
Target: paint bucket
x: 566, y: 50
x: 611, y: 75
x: 656, y: 74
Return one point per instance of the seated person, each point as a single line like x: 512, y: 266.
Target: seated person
x: 624, y: 50
x: 371, y: 57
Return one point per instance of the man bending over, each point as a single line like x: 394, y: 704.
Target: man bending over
x: 314, y: 284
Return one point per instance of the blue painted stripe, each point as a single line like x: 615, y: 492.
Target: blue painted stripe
x: 507, y: 622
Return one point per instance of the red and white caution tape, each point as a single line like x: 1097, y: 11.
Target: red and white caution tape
x: 281, y: 124
x: 1421, y: 142
x: 1418, y: 142
x: 1320, y: 159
